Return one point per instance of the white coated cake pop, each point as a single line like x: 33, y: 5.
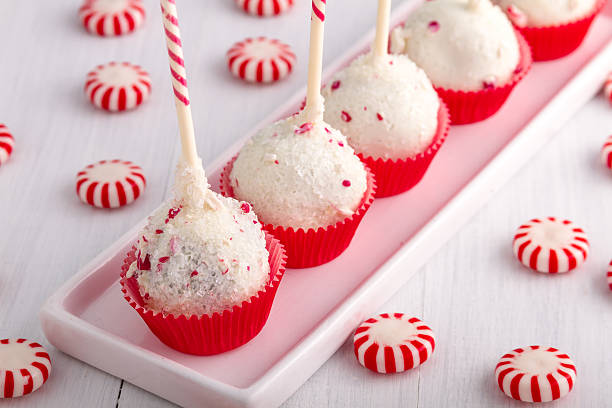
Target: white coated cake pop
x: 386, y: 106
x: 200, y: 254
x: 541, y: 13
x: 461, y: 44
x: 299, y: 174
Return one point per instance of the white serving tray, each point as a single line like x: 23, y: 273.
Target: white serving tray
x: 316, y: 309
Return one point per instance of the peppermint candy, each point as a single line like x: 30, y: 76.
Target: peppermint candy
x: 116, y: 87
x: 7, y: 143
x: 264, y: 8
x: 24, y: 367
x: 608, y: 88
x: 112, y: 17
x: 260, y: 60
x: 606, y: 153
x: 392, y: 343
x: 551, y: 245
x: 535, y: 374
x: 110, y: 183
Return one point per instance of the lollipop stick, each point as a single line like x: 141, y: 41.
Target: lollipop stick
x: 381, y: 43
x: 179, y: 82
x: 314, y: 101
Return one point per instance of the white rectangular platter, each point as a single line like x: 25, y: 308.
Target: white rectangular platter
x: 316, y: 309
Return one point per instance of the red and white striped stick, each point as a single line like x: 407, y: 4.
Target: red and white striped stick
x: 179, y: 82
x: 381, y: 42
x: 314, y: 101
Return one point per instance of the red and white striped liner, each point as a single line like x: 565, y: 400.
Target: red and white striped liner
x: 109, y: 18
x: 117, y: 86
x: 7, y: 143
x: 609, y: 277
x: 535, y: 374
x: 33, y: 367
x: 606, y: 153
x: 608, y: 88
x: 264, y: 8
x: 110, y: 183
x: 261, y: 60
x: 551, y: 245
x: 392, y: 343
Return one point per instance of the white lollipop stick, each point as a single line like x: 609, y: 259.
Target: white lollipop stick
x: 179, y: 82
x: 314, y: 101
x: 381, y: 43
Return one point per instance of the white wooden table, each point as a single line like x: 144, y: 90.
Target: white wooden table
x: 478, y: 299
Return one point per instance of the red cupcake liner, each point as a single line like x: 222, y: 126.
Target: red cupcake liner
x: 556, y: 41
x: 309, y: 248
x: 210, y: 334
x: 397, y: 176
x: 473, y: 106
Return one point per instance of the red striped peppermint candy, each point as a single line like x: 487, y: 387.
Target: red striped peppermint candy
x: 260, y: 60
x: 264, y: 8
x: 117, y: 86
x: 610, y: 275
x: 535, y: 374
x: 392, y: 343
x: 110, y: 183
x: 7, y: 143
x: 608, y: 87
x: 606, y: 153
x: 551, y: 245
x: 108, y: 18
x: 24, y: 367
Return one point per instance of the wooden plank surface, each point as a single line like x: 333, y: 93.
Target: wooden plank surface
x: 478, y: 299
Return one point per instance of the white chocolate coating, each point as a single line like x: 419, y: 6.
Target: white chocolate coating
x: 200, y: 254
x: 542, y: 13
x: 299, y: 174
x: 461, y: 44
x: 386, y: 106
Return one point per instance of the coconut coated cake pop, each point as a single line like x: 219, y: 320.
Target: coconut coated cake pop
x: 385, y: 105
x: 299, y: 174
x: 200, y: 253
x: 460, y: 44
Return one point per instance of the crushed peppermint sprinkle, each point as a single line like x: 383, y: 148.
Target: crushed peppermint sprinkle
x: 488, y: 85
x: 275, y: 161
x: 173, y: 212
x: 346, y: 183
x: 245, y: 207
x: 335, y: 85
x: 433, y: 26
x: 327, y: 130
x: 379, y: 116
x: 194, y: 273
x: 304, y: 128
x: 346, y: 117
x: 144, y: 265
x: 365, y: 108
x: 164, y: 259
x: 158, y: 231
x: 340, y: 144
x: 144, y: 239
